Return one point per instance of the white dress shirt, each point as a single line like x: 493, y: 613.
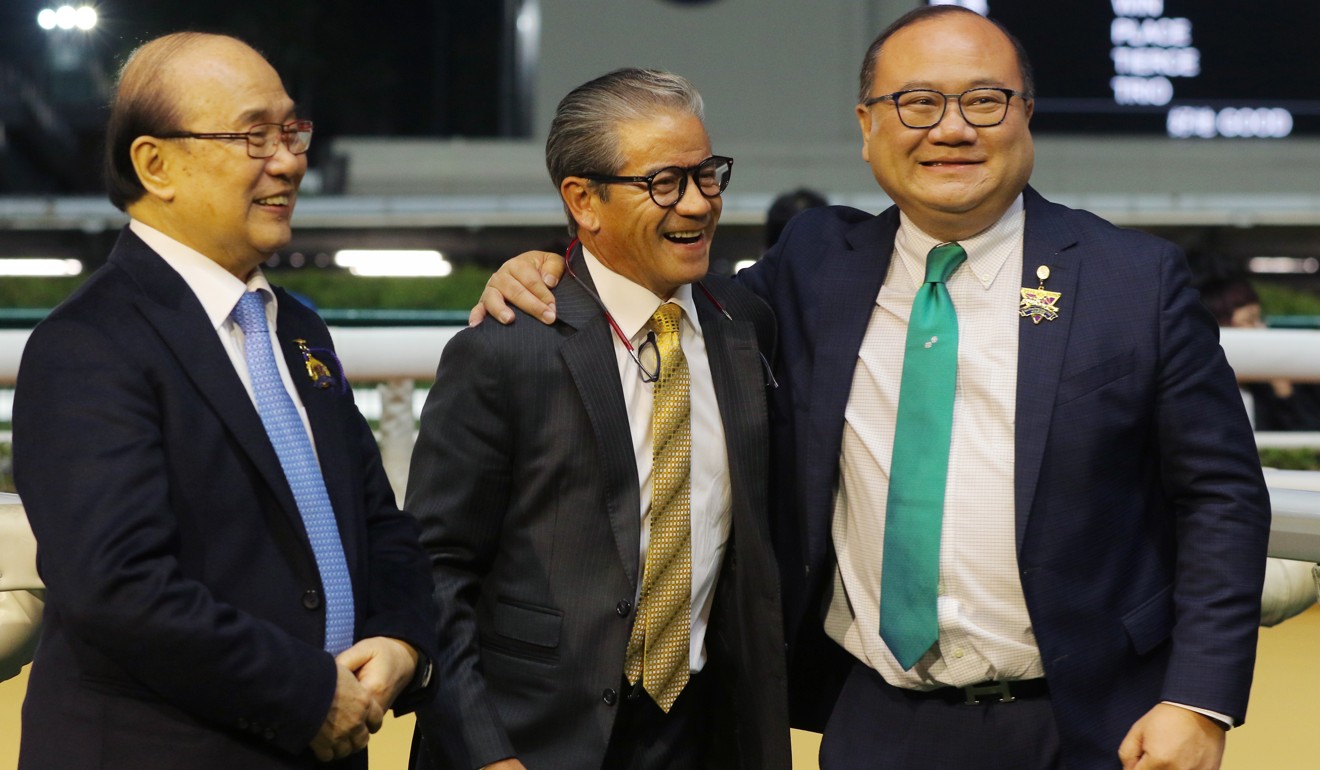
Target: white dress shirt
x: 632, y: 305
x: 984, y: 630
x: 219, y: 290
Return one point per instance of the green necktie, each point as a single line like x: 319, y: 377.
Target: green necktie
x: 909, y: 580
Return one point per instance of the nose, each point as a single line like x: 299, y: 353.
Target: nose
x: 952, y: 126
x: 692, y: 203
x: 286, y: 164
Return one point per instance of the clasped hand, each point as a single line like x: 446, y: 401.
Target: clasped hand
x: 371, y: 674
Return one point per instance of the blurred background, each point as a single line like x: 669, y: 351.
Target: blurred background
x: 1197, y: 121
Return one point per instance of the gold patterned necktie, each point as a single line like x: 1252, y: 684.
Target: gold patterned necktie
x: 658, y: 647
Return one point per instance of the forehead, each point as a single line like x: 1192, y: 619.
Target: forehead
x: 229, y: 85
x: 664, y: 139
x: 952, y: 51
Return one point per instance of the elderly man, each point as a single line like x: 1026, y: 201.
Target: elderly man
x: 229, y: 583
x: 593, y: 493
x: 1030, y: 512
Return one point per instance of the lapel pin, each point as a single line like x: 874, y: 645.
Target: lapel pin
x: 318, y: 372
x: 1038, y: 303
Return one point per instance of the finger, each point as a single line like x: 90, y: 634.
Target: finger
x: 375, y: 716
x: 322, y: 752
x: 477, y: 314
x: 355, y: 657
x: 492, y: 301
x: 1129, y: 751
x: 525, y: 286
x: 552, y: 267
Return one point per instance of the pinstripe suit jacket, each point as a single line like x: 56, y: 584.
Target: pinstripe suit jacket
x: 1141, y: 513
x: 525, y: 483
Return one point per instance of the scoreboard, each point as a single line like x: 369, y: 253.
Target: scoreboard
x: 1195, y: 69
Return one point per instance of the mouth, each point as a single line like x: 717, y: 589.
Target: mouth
x: 685, y: 236
x: 282, y: 200
x: 949, y: 163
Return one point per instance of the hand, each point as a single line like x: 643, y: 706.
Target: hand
x: 354, y: 716
x: 525, y: 281
x: 383, y: 666
x: 1170, y: 737
x: 511, y: 763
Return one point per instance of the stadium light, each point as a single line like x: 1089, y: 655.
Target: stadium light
x: 66, y: 17
x: 394, y: 262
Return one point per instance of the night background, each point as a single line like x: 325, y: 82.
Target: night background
x: 391, y: 67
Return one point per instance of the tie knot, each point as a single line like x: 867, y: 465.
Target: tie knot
x: 250, y: 313
x: 942, y: 261
x: 666, y: 318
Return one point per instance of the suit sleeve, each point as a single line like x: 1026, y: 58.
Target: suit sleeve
x: 458, y: 488
x: 1213, y: 483
x: 91, y: 465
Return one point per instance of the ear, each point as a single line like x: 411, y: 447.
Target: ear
x: 1030, y: 109
x: 150, y: 161
x: 581, y: 201
x: 864, y: 115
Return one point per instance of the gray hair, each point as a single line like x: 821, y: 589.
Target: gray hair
x: 584, y: 133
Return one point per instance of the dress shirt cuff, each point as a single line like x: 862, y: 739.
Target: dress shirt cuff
x: 1225, y: 722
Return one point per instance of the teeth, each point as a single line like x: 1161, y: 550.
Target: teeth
x: 274, y: 200
x: 689, y: 234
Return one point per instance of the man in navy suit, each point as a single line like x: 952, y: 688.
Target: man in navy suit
x: 1104, y: 520
x: 229, y: 581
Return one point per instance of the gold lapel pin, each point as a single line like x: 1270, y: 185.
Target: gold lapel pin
x: 318, y: 372
x: 1038, y: 303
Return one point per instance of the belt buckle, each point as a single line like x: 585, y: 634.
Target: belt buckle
x: 974, y: 692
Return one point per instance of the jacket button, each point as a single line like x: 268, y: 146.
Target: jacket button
x: 623, y: 608
x: 610, y: 696
x: 311, y: 599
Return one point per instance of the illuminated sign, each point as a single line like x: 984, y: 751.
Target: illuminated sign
x: 1183, y: 68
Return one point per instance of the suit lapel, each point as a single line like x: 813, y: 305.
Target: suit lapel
x: 589, y: 355
x: 170, y: 306
x: 736, y: 371
x: 1041, y: 347
x: 325, y: 416
x: 850, y: 282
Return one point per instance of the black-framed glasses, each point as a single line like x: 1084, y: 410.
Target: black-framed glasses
x: 668, y: 185
x: 263, y: 139
x: 924, y: 107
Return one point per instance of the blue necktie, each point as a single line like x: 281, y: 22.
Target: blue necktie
x: 294, y: 449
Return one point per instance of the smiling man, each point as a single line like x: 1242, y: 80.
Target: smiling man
x: 583, y: 488
x: 229, y: 582
x: 1011, y: 469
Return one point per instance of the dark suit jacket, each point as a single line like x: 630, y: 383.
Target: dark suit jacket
x: 1142, y: 517
x: 525, y: 482
x: 184, y: 621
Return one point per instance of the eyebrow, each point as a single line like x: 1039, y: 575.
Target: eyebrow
x: 978, y: 83
x: 257, y: 115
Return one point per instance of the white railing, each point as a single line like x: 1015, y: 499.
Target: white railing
x: 397, y: 357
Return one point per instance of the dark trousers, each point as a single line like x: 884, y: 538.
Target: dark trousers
x: 876, y: 726
x: 646, y: 738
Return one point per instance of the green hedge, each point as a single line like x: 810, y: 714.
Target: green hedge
x: 326, y: 288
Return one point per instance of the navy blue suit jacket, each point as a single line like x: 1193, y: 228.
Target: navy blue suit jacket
x: 184, y: 622
x: 1141, y: 514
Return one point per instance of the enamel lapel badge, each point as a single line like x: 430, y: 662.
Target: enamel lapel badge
x: 1037, y: 303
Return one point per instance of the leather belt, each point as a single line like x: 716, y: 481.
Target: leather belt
x: 1005, y: 691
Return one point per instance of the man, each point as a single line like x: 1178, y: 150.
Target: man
x: 229, y: 583
x: 1091, y: 581
x: 593, y: 493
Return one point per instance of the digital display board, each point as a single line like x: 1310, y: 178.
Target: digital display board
x: 1182, y: 68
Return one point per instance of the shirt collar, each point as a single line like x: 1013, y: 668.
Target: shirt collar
x: 631, y: 304
x: 987, y: 251
x: 216, y: 288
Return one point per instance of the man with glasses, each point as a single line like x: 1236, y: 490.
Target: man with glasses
x: 1012, y: 472
x: 593, y: 493
x: 229, y: 581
